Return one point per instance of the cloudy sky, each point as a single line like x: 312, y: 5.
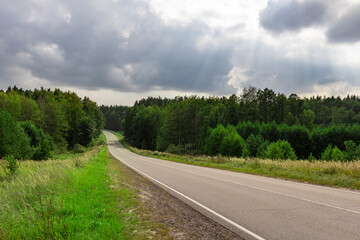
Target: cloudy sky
x: 117, y: 51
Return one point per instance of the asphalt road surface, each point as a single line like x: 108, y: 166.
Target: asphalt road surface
x: 254, y: 207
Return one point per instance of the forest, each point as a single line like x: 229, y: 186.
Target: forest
x: 259, y: 123
x: 34, y: 124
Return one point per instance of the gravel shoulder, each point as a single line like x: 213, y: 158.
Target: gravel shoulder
x: 176, y: 219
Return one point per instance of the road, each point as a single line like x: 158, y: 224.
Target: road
x: 254, y: 207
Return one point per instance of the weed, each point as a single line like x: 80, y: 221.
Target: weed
x: 12, y: 166
x: 69, y: 198
x: 78, y: 163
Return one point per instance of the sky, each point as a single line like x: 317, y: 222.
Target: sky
x: 118, y: 51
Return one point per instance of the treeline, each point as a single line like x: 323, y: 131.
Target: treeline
x: 114, y: 116
x: 281, y: 141
x: 185, y: 124
x: 34, y: 123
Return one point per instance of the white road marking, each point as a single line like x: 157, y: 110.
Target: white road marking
x: 254, y: 235
x: 265, y: 190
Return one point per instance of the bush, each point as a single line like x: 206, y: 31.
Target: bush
x: 13, y: 140
x: 42, y: 143
x: 337, y: 154
x: 245, y: 129
x: 252, y: 145
x: 280, y: 149
x: 214, y: 139
x: 232, y: 143
x: 326, y: 155
x: 262, y: 149
x: 351, y: 151
x: 299, y: 138
x: 274, y: 151
x: 12, y: 166
x: 175, y: 149
x: 44, y: 150
x: 311, y: 157
x: 78, y: 148
x: 332, y: 154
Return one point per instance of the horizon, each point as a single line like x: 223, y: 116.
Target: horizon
x: 177, y: 96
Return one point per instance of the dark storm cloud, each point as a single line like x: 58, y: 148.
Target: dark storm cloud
x: 292, y: 15
x: 120, y: 45
x: 346, y: 29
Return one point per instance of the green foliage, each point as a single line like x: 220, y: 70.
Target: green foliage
x: 232, y: 143
x: 337, y: 154
x: 144, y: 122
x: 326, y: 173
x: 53, y: 120
x: 79, y: 148
x: 299, y: 137
x: 307, y: 118
x: 332, y: 154
x: 71, y: 198
x: 351, y: 151
x: 290, y: 119
x: 245, y: 129
x: 261, y: 151
x: 42, y: 143
x: 12, y: 165
x: 114, y: 116
x: 252, y: 145
x: 214, y: 140
x: 13, y: 139
x: 311, y: 157
x: 280, y: 149
x: 326, y: 155
x: 175, y: 149
x: 308, y: 124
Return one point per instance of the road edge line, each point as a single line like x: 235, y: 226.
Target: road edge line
x: 254, y: 235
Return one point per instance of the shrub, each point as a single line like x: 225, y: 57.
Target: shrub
x: 262, y: 149
x: 245, y: 129
x: 41, y: 143
x: 12, y: 166
x: 78, y: 148
x: 44, y: 150
x: 332, y: 153
x: 13, y: 140
x: 280, y: 149
x: 232, y: 143
x: 252, y: 145
x: 274, y: 151
x: 351, y: 151
x: 175, y: 149
x: 337, y: 154
x: 311, y: 157
x: 214, y: 139
x: 326, y: 155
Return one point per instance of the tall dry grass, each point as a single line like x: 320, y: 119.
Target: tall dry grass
x: 332, y: 173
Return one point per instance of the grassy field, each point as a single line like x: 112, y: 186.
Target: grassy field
x: 339, y: 174
x: 80, y: 196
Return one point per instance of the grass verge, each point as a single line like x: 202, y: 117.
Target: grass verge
x: 81, y: 197
x: 337, y: 174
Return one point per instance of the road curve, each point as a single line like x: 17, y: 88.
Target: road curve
x: 254, y: 207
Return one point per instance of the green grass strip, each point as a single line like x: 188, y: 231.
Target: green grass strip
x: 67, y: 199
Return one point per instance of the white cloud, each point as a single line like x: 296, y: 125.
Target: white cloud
x: 340, y: 88
x: 160, y: 47
x: 49, y: 52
